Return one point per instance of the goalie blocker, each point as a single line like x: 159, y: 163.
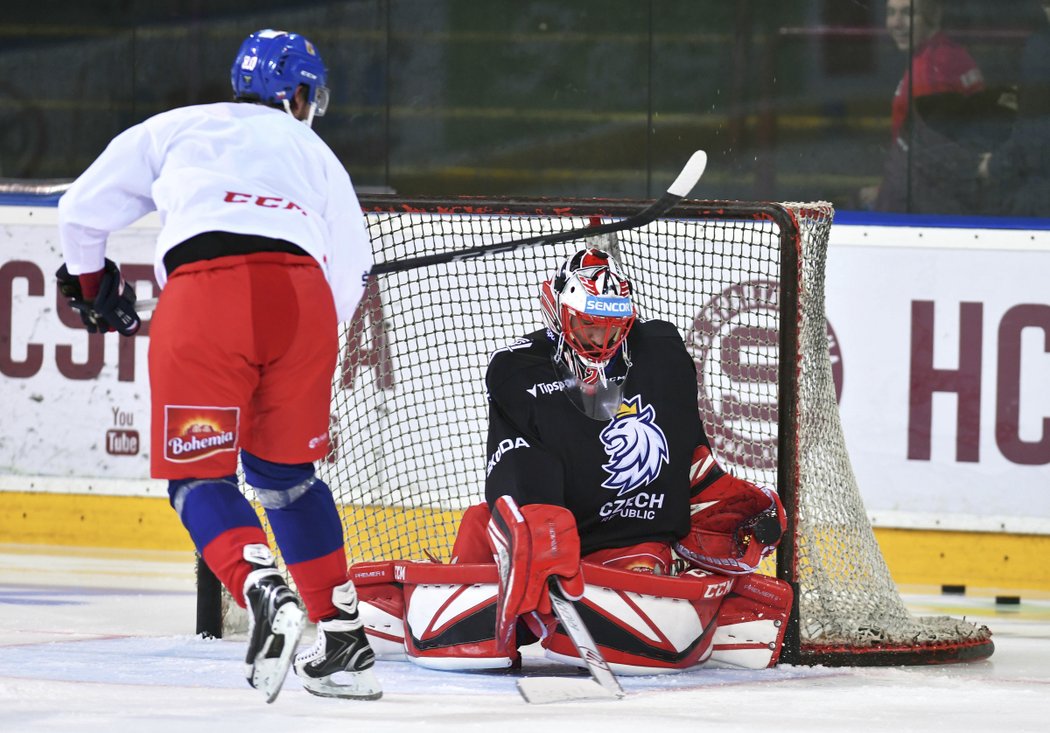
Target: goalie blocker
x: 444, y: 617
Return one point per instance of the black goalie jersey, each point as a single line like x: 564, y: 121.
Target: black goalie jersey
x: 625, y: 480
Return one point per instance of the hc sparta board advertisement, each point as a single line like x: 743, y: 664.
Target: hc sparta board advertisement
x: 939, y: 338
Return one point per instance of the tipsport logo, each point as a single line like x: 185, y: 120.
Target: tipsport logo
x: 194, y: 433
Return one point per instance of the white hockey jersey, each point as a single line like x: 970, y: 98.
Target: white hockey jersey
x: 231, y: 167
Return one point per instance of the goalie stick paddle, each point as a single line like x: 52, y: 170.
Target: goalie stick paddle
x: 683, y: 184
x: 603, y: 684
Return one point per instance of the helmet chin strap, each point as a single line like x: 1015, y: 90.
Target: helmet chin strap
x: 309, y: 121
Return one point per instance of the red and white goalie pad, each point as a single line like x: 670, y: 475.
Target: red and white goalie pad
x: 381, y: 604
x: 734, y: 525
x: 642, y: 623
x: 751, y: 623
x: 646, y: 624
x: 532, y: 544
x: 438, y: 616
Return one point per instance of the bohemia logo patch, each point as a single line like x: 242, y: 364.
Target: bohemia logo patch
x: 636, y: 445
x: 195, y: 433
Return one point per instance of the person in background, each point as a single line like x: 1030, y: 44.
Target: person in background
x: 1018, y: 172
x: 261, y: 252
x: 926, y: 170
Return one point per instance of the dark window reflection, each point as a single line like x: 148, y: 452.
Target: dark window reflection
x: 894, y: 105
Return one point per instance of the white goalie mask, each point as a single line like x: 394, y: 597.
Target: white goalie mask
x: 588, y: 310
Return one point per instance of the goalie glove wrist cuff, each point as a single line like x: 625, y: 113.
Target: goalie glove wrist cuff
x: 734, y: 526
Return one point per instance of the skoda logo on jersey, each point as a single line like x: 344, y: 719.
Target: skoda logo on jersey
x: 607, y: 305
x: 636, y: 445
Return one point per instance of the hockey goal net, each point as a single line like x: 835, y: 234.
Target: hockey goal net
x: 744, y: 282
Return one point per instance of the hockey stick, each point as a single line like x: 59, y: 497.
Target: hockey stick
x: 683, y: 184
x: 678, y: 190
x: 603, y: 684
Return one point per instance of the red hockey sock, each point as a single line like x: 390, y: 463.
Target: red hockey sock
x: 315, y: 579
x: 224, y: 555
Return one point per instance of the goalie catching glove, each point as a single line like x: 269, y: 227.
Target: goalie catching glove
x: 104, y: 300
x: 734, y: 525
x: 532, y: 544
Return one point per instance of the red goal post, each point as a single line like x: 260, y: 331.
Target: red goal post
x: 743, y: 281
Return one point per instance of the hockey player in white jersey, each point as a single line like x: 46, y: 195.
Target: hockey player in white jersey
x: 261, y: 253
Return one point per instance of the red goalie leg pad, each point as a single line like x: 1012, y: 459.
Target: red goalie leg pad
x: 381, y: 603
x: 531, y: 544
x: 449, y: 614
x: 752, y: 622
x: 224, y: 555
x: 644, y: 623
x: 376, y: 583
x: 472, y: 539
x: 315, y: 579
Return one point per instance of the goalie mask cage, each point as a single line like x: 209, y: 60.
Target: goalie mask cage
x: 744, y: 283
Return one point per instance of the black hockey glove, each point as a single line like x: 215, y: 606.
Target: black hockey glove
x: 113, y: 308
x: 69, y: 287
x: 115, y: 302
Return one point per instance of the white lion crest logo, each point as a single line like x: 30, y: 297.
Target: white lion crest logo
x: 637, y: 447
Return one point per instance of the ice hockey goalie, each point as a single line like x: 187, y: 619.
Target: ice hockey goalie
x: 600, y: 474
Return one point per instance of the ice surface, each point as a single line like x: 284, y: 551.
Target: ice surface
x: 98, y: 641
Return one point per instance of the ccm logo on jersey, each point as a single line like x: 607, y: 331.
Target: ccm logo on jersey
x: 609, y: 305
x: 193, y: 433
x: 506, y: 445
x: 266, y: 202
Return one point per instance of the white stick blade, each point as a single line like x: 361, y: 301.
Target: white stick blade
x: 689, y: 176
x: 542, y: 690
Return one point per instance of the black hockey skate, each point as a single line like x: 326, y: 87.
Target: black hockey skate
x: 340, y: 662
x: 275, y: 624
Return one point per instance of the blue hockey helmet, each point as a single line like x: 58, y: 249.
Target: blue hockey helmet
x: 271, y: 65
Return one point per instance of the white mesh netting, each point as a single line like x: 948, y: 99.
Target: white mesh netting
x: 846, y: 595
x: 410, y: 415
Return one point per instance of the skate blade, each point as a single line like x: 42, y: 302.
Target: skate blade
x: 268, y: 673
x: 361, y: 685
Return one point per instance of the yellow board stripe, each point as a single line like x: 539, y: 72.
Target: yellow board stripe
x: 915, y: 557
